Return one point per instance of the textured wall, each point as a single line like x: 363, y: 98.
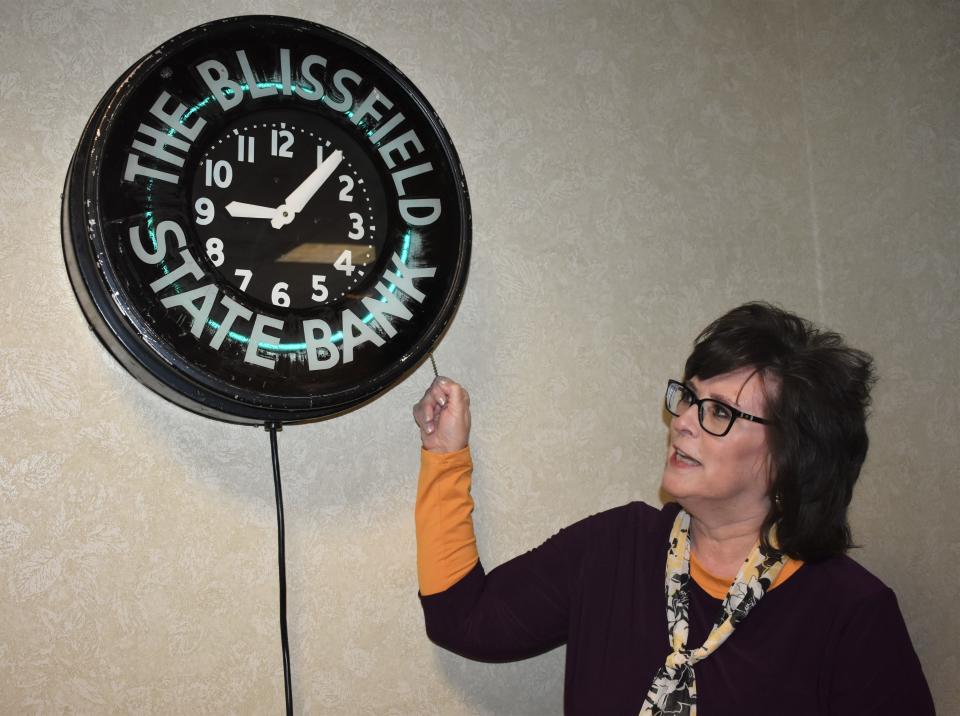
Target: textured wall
x: 635, y: 168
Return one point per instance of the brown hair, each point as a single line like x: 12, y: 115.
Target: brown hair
x: 817, y: 436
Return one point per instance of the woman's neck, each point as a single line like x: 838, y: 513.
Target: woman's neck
x: 722, y: 546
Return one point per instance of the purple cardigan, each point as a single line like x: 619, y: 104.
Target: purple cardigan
x: 829, y: 640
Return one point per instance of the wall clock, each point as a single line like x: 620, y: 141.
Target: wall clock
x: 266, y: 222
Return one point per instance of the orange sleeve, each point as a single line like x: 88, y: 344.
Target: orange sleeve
x: 446, y: 546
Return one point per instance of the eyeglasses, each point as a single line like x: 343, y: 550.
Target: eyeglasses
x: 715, y: 417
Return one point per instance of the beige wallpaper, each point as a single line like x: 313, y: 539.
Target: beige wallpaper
x: 636, y: 167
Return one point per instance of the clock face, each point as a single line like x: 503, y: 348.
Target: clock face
x: 265, y: 221
x: 306, y: 256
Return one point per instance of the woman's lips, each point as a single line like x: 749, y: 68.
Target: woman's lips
x: 681, y: 459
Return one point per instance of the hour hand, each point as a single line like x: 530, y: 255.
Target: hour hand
x: 240, y: 210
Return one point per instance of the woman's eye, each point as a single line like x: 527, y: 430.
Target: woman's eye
x: 720, y: 411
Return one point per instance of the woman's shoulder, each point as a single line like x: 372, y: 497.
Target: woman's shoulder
x: 635, y: 513
x: 626, y: 523
x: 842, y: 586
x: 847, y: 577
x: 612, y: 543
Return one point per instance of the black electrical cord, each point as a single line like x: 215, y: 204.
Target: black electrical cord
x: 281, y: 558
x: 287, y: 688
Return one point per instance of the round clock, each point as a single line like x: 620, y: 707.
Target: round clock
x: 265, y: 221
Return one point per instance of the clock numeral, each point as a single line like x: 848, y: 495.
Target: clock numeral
x: 279, y: 295
x: 356, y: 233
x: 345, y: 262
x: 318, y: 285
x: 280, y: 142
x: 205, y: 211
x: 215, y: 251
x: 245, y: 275
x: 347, y: 182
x: 219, y: 173
x: 244, y: 148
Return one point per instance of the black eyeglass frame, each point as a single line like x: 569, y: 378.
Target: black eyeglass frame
x: 699, y: 403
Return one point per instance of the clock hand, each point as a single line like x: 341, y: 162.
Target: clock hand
x: 299, y: 197
x: 240, y: 210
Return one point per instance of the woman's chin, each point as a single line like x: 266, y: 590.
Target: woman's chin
x: 674, y: 483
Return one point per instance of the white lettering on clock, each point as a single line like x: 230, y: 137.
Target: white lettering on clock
x: 316, y: 343
x: 401, y: 176
x: 285, y: 70
x: 388, y: 305
x: 399, y: 145
x: 136, y: 169
x: 404, y: 277
x: 157, y: 146
x: 158, y: 152
x: 356, y: 332
x: 384, y: 129
x: 234, y: 310
x: 396, y: 152
x: 161, y: 139
x: 322, y: 352
x: 259, y: 335
x: 317, y: 334
x: 163, y: 228
x: 315, y: 90
x: 175, y: 119
x: 187, y: 300
x: 252, y: 86
x: 339, y: 82
x: 189, y: 266
x: 408, y: 205
x: 217, y: 78
x: 368, y: 107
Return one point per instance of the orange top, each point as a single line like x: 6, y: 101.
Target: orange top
x: 447, y: 548
x: 717, y: 587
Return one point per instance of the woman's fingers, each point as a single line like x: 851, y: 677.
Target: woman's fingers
x: 428, y: 408
x: 443, y: 415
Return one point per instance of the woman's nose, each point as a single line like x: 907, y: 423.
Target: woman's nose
x: 688, y: 421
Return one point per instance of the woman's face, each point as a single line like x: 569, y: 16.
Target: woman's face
x: 727, y: 475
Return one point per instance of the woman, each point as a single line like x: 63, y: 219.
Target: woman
x: 737, y: 597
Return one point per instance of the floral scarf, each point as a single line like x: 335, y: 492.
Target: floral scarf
x: 674, y: 688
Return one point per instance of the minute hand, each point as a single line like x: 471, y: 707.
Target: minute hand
x: 299, y: 197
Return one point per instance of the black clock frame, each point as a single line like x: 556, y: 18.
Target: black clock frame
x: 149, y: 355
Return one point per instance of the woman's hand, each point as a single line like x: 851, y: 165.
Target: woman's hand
x: 443, y: 415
